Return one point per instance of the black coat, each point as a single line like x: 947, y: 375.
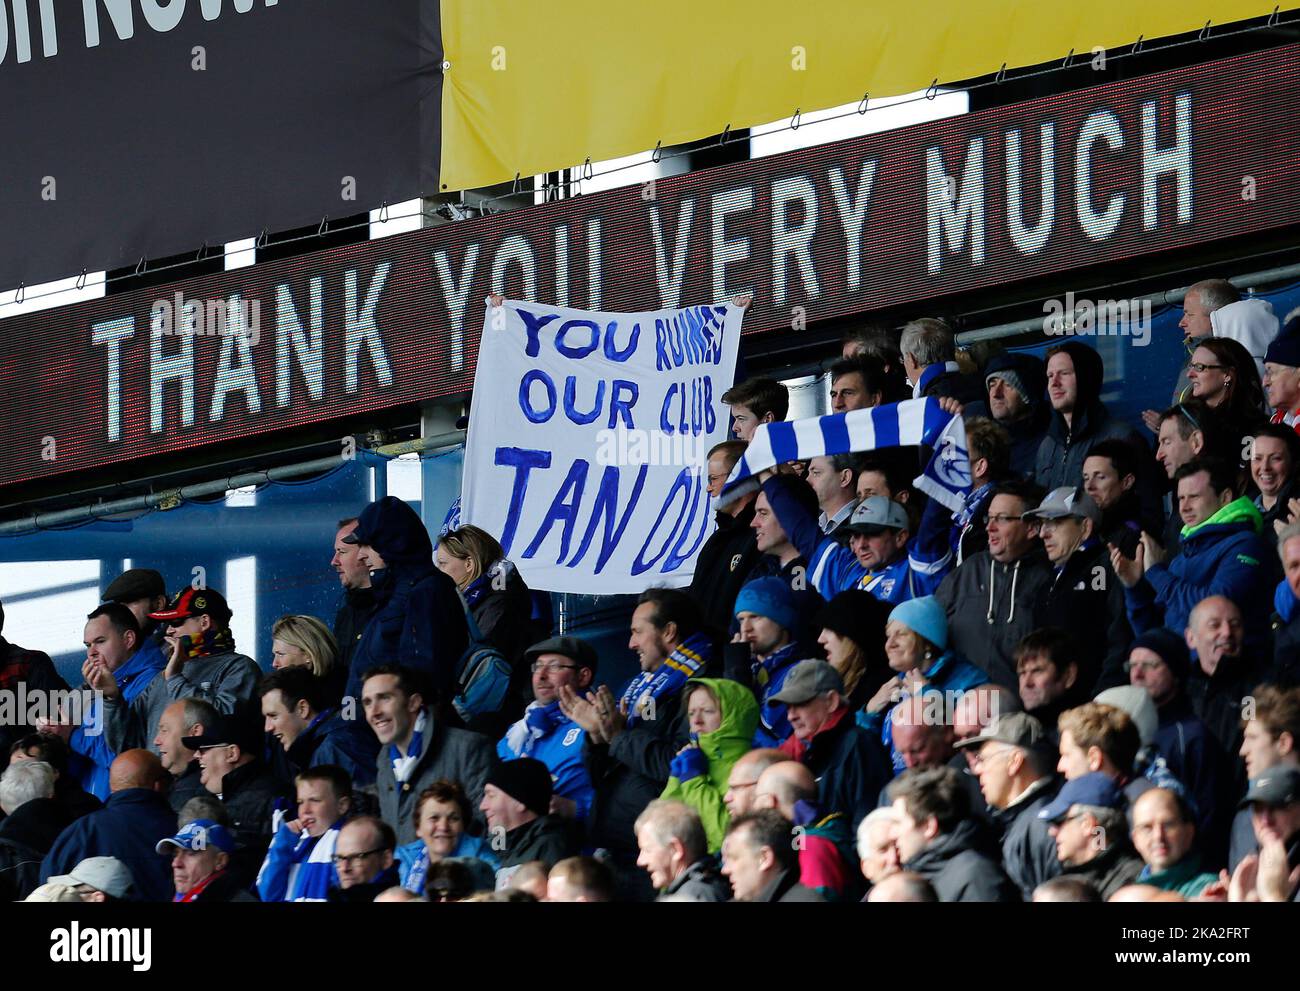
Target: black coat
x: 959, y: 871
x: 505, y: 619
x: 1087, y: 601
x: 1028, y: 850
x: 724, y: 564
x: 851, y: 766
x: 26, y: 837
x: 786, y: 887
x: 249, y: 794
x: 1110, y: 870
x: 549, y: 839
x: 629, y: 774
x: 187, y: 786
x: 350, y: 621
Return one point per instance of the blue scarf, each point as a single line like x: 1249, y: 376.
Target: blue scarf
x: 415, y: 878
x: 769, y: 674
x: 403, y: 766
x: 539, y: 721
x: 679, y: 668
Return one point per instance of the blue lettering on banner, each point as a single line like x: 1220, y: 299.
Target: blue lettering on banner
x: 678, y: 557
x: 619, y: 405
x: 605, y: 505
x: 682, y: 482
x: 584, y: 350
x: 564, y: 507
x: 570, y: 401
x: 612, y: 353
x: 661, y: 342
x: 525, y: 397
x: 532, y: 326
x: 523, y: 461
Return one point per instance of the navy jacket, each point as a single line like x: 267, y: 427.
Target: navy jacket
x: 128, y: 827
x: 419, y: 621
x: 328, y: 740
x: 1196, y: 759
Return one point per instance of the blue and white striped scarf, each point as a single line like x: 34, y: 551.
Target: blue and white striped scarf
x: 312, y: 876
x: 403, y: 766
x: 649, y: 688
x: 911, y: 423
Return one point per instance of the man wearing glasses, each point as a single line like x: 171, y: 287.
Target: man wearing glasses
x: 202, y: 663
x: 363, y: 858
x: 545, y: 733
x: 1016, y: 765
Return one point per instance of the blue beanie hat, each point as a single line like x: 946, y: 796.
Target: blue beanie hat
x: 924, y: 617
x: 771, y: 597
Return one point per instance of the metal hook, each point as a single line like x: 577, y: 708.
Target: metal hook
x: 933, y: 91
x: 1272, y: 18
x: 1137, y: 45
x: 21, y: 294
x: 324, y: 226
x: 383, y: 212
x: 862, y: 107
x: 81, y: 280
x: 202, y: 251
x: 1068, y: 59
x: 657, y: 155
x: 587, y: 170
x: 796, y: 120
x: 140, y: 266
x: 262, y: 239
x: 514, y: 188
x: 1205, y: 33
x: 726, y: 133
x: 1002, y: 74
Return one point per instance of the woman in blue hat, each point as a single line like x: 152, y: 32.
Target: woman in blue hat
x: 916, y: 643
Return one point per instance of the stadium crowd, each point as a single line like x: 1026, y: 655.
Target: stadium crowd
x: 1083, y: 685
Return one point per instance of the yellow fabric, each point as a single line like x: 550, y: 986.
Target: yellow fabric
x: 536, y: 87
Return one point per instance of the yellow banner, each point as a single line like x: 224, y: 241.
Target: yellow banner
x: 536, y: 87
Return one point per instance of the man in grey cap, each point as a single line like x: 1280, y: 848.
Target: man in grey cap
x: 1084, y: 597
x: 1015, y: 760
x: 882, y: 558
x: 97, y: 879
x: 546, y: 733
x: 1273, y: 874
x: 849, y: 763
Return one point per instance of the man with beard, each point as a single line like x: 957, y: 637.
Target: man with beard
x: 1084, y: 597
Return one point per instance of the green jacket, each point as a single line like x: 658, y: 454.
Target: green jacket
x: 1185, y: 877
x: 721, y: 748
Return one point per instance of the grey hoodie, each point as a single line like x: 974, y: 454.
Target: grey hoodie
x: 1251, y: 323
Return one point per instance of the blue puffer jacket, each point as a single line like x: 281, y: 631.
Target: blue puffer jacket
x: 559, y: 747
x: 1226, y: 556
x: 948, y: 674
x: 419, y: 621
x: 91, y: 753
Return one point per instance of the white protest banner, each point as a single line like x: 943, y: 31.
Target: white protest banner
x: 588, y: 441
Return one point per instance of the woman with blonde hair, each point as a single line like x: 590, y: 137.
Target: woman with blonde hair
x: 304, y: 641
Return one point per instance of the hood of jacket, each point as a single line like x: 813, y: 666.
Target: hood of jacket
x: 1250, y: 322
x: 1031, y: 371
x: 1236, y: 514
x: 734, y: 737
x: 392, y: 528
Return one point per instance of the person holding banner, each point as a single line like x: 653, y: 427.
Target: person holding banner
x: 756, y: 401
x: 731, y: 552
x: 881, y: 558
